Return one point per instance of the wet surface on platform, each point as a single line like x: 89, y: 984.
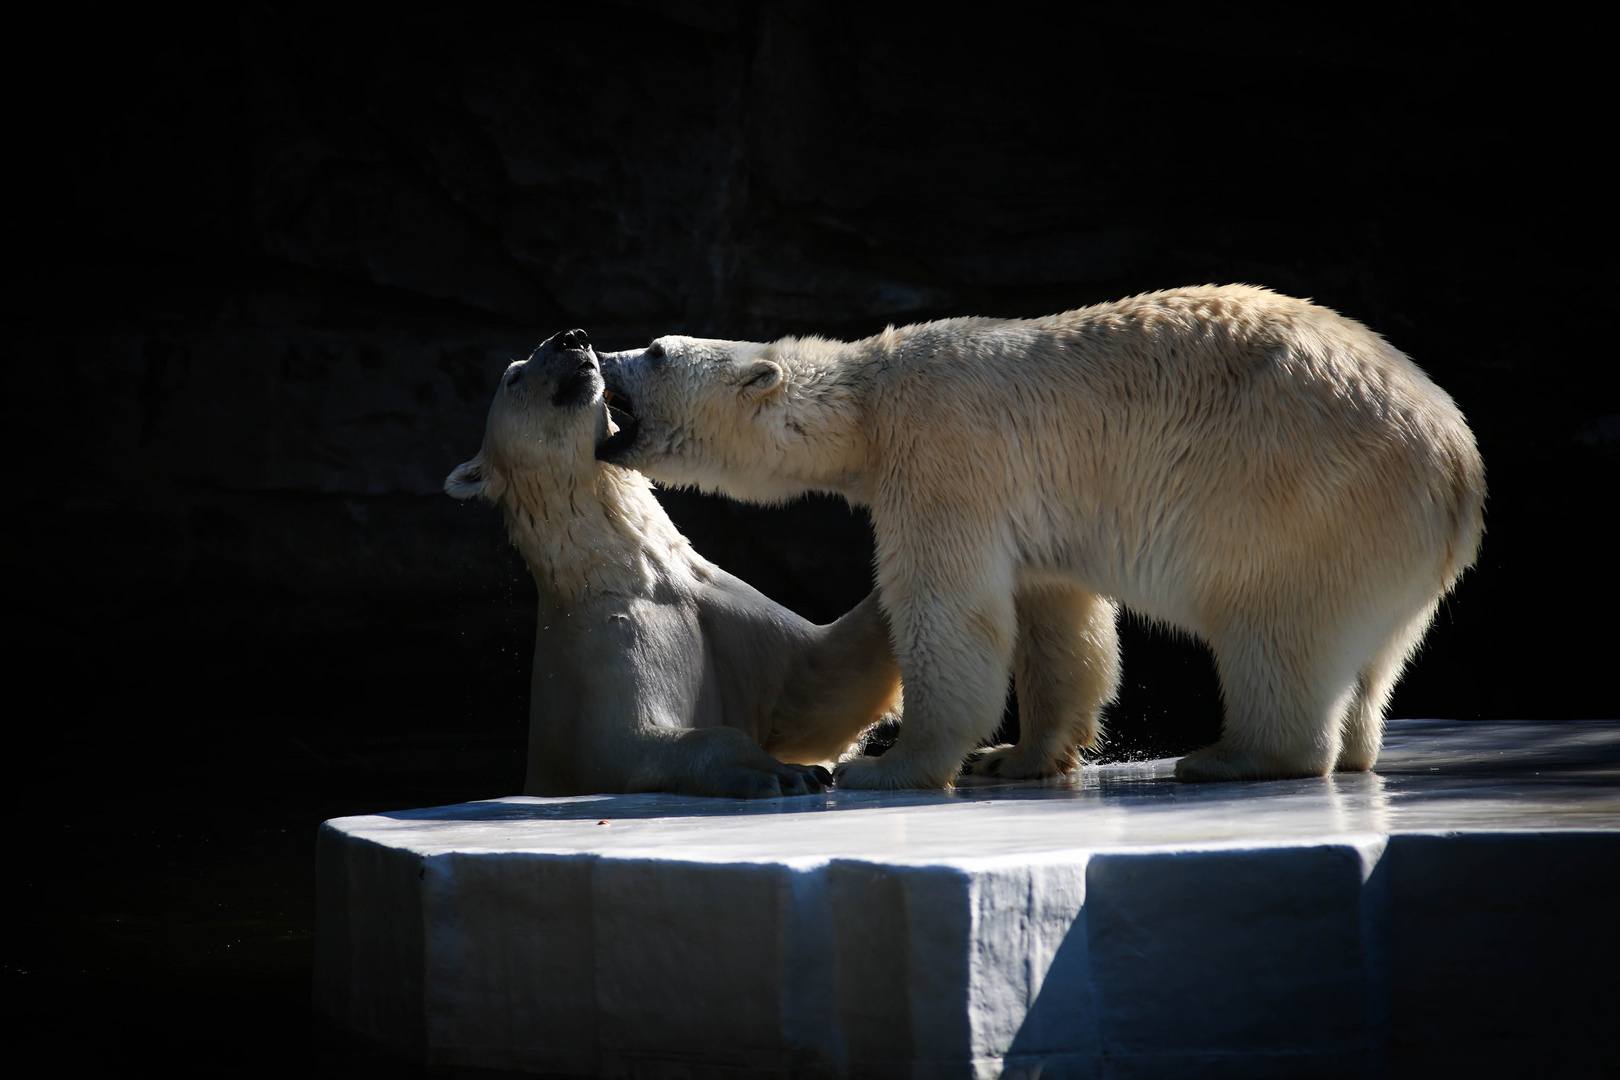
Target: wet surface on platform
x: 1434, y: 776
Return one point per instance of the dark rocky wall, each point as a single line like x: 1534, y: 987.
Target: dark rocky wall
x: 266, y: 263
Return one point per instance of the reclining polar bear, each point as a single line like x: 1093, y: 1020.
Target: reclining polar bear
x: 1252, y: 468
x: 655, y: 670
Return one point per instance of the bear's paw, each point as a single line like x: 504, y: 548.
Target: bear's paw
x: 1220, y: 762
x: 771, y: 782
x: 890, y: 772
x: 1020, y: 763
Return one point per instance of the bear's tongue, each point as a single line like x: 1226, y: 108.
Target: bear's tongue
x: 618, y: 404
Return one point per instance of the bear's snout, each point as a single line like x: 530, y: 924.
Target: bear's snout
x: 572, y: 339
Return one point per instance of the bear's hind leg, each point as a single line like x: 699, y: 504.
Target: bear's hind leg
x: 1363, y: 735
x: 1284, y: 708
x: 1066, y: 669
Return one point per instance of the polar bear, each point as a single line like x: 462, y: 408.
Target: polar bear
x: 655, y: 670
x: 1252, y: 468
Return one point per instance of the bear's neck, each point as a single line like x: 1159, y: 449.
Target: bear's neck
x: 825, y: 420
x: 595, y: 531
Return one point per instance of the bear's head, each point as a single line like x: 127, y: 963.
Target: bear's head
x: 548, y: 414
x: 754, y: 421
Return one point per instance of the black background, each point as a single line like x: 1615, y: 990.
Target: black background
x: 265, y: 262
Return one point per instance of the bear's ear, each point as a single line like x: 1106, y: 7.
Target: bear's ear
x: 473, y: 479
x: 760, y: 378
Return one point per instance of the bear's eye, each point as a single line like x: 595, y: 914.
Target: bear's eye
x: 761, y: 376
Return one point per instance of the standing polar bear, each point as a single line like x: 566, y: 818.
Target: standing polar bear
x: 1252, y: 468
x: 654, y: 670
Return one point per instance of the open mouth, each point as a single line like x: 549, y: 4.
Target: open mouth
x: 622, y: 411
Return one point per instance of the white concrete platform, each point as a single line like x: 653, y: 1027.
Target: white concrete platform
x: 1452, y: 915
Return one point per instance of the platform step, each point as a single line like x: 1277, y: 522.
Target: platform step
x: 1451, y: 915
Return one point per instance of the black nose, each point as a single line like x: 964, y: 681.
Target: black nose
x: 573, y: 339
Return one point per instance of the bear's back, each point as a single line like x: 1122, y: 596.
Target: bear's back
x: 1250, y: 428
x: 1224, y: 362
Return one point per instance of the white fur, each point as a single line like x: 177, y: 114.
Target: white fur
x: 655, y: 670
x: 1249, y: 467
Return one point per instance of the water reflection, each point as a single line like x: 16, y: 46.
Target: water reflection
x: 1434, y: 775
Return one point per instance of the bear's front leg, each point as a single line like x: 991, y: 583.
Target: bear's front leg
x: 955, y: 650
x: 1066, y: 669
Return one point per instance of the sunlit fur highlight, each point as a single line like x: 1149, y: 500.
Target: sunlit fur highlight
x: 1252, y: 468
